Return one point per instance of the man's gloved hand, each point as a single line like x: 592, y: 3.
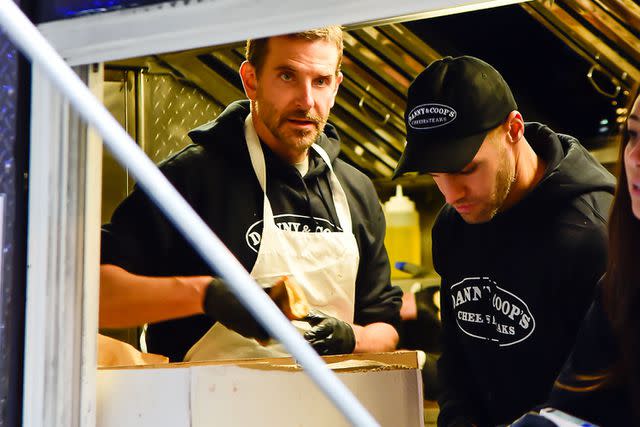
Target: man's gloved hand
x: 329, y: 335
x: 222, y: 305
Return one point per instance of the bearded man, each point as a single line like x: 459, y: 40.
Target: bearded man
x: 519, y: 245
x: 265, y: 176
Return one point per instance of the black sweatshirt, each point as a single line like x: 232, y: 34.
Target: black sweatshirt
x: 579, y: 389
x: 216, y: 177
x: 515, y: 289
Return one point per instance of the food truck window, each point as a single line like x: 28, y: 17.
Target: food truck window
x: 586, y: 93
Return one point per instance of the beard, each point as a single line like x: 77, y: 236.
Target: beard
x: 298, y: 139
x: 505, y: 177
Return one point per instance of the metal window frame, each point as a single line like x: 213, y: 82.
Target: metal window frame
x: 62, y: 264
x: 180, y: 25
x: 65, y: 170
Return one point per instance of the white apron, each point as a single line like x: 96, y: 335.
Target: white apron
x: 324, y: 265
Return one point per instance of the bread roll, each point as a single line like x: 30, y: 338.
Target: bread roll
x: 290, y: 298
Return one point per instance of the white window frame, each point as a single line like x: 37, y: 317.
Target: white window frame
x: 66, y: 161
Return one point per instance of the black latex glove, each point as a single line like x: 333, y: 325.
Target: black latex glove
x: 222, y: 305
x: 329, y: 335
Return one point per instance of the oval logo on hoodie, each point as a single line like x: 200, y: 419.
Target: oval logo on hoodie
x: 289, y: 222
x: 485, y: 311
x: 429, y: 116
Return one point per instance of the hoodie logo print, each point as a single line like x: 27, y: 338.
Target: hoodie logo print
x: 485, y: 311
x: 429, y: 116
x: 289, y: 222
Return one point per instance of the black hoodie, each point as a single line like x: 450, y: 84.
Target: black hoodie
x: 215, y: 176
x: 515, y: 289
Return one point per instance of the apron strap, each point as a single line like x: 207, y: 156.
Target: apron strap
x: 255, y: 153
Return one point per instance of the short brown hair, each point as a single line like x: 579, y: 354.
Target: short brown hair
x: 257, y: 49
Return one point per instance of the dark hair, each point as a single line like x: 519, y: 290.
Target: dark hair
x: 257, y: 49
x: 621, y: 290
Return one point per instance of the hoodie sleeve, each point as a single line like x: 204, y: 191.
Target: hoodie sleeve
x: 139, y: 237
x: 124, y: 239
x: 588, y: 249
x: 580, y: 262
x: 376, y: 299
x: 454, y: 401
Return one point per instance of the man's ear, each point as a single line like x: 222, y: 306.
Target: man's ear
x: 515, y: 124
x: 339, y: 78
x: 249, y: 79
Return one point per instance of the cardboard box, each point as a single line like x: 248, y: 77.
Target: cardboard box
x: 258, y: 392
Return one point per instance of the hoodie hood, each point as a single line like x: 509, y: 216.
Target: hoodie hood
x: 571, y: 170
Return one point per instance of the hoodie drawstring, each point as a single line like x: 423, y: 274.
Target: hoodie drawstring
x: 308, y: 200
x: 324, y: 201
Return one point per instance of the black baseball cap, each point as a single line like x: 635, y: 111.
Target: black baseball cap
x: 451, y: 106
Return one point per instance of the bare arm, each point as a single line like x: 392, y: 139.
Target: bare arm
x: 409, y: 309
x: 375, y: 337
x: 129, y: 300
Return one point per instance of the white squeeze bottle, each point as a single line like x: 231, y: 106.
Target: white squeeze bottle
x: 403, y: 232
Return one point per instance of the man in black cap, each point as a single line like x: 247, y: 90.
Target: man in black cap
x: 519, y: 245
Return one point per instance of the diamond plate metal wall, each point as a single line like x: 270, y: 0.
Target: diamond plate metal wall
x: 174, y: 108
x: 167, y: 108
x: 13, y: 148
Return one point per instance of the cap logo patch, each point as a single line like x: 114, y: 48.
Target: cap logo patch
x: 429, y: 116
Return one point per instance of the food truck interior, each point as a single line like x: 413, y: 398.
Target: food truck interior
x: 572, y: 64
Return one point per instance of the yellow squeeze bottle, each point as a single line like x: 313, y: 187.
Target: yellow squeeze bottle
x: 402, y: 239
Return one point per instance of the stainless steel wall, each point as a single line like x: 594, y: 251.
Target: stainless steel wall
x: 157, y: 110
